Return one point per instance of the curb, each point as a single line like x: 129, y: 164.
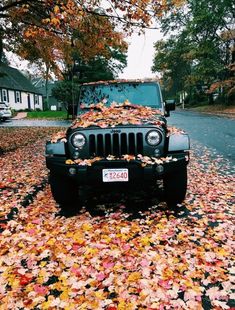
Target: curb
x: 216, y: 113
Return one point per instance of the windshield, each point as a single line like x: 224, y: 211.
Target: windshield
x: 147, y: 94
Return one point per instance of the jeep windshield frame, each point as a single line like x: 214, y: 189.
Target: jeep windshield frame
x: 140, y: 93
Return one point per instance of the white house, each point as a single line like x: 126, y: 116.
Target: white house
x: 17, y: 90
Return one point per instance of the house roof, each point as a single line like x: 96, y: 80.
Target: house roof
x: 11, y: 78
x: 50, y: 86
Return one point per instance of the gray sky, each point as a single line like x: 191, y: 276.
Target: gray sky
x: 140, y: 55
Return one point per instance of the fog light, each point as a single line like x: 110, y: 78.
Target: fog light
x: 72, y: 171
x: 159, y: 168
x: 76, y: 155
x: 156, y: 152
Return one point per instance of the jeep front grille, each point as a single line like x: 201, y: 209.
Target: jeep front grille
x: 115, y: 144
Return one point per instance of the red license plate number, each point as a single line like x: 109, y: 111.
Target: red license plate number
x: 115, y: 175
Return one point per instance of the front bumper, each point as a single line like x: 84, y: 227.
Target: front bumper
x: 92, y: 175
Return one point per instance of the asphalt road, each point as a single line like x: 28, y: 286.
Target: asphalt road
x: 215, y: 132
x: 34, y: 123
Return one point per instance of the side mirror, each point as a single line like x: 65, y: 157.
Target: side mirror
x: 169, y: 106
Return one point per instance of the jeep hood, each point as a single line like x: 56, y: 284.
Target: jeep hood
x: 123, y: 114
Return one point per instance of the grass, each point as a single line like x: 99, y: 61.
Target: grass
x: 47, y: 115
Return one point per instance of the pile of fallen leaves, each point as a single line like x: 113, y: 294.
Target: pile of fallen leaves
x: 13, y: 138
x: 23, y: 171
x: 157, y: 260
x: 104, y: 116
x: 118, y: 114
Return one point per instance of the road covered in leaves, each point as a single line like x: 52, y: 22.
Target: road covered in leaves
x: 152, y: 259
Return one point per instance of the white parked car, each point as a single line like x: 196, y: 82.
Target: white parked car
x: 5, y: 111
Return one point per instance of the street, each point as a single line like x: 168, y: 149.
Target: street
x: 217, y: 133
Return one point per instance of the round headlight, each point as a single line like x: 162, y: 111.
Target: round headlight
x: 78, y: 140
x: 153, y: 137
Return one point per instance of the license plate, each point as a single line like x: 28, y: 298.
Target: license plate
x: 115, y: 175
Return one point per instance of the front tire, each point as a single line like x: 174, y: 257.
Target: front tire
x: 175, y: 187
x: 65, y: 192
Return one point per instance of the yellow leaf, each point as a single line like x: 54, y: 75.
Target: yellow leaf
x: 21, y: 245
x: 55, y: 21
x: 168, y: 273
x: 91, y: 251
x: 125, y: 306
x: 107, y: 239
x: 159, y: 226
x: 133, y: 277
x: 46, y: 305
x: 42, y: 264
x: 69, y: 162
x: 86, y: 227
x: 15, y: 284
x: 78, y: 238
x: 188, y: 283
x: 122, y: 305
x: 56, y: 9
x: 181, y: 236
x: 99, y: 295
x: 64, y: 296
x: 51, y: 241
x: 145, y: 240
x: 221, y: 251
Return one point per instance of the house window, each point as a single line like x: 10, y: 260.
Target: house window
x: 18, y: 96
x: 4, y: 95
x: 36, y: 100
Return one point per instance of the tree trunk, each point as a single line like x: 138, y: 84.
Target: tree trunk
x: 210, y: 99
x: 1, y: 45
x: 46, y: 86
x: 233, y: 52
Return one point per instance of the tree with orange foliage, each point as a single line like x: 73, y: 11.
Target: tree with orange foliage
x: 95, y: 19
x: 47, y: 32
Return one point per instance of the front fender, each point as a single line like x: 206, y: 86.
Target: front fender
x: 178, y: 142
x: 57, y: 148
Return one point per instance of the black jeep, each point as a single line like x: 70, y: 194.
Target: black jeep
x: 119, y: 141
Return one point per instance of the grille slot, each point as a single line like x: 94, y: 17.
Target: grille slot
x: 124, y: 149
x: 108, y: 145
x: 139, y: 144
x: 115, y: 144
x: 100, y: 145
x: 92, y: 145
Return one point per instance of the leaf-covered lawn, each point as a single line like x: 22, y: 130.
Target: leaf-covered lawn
x: 13, y: 138
x: 156, y: 260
